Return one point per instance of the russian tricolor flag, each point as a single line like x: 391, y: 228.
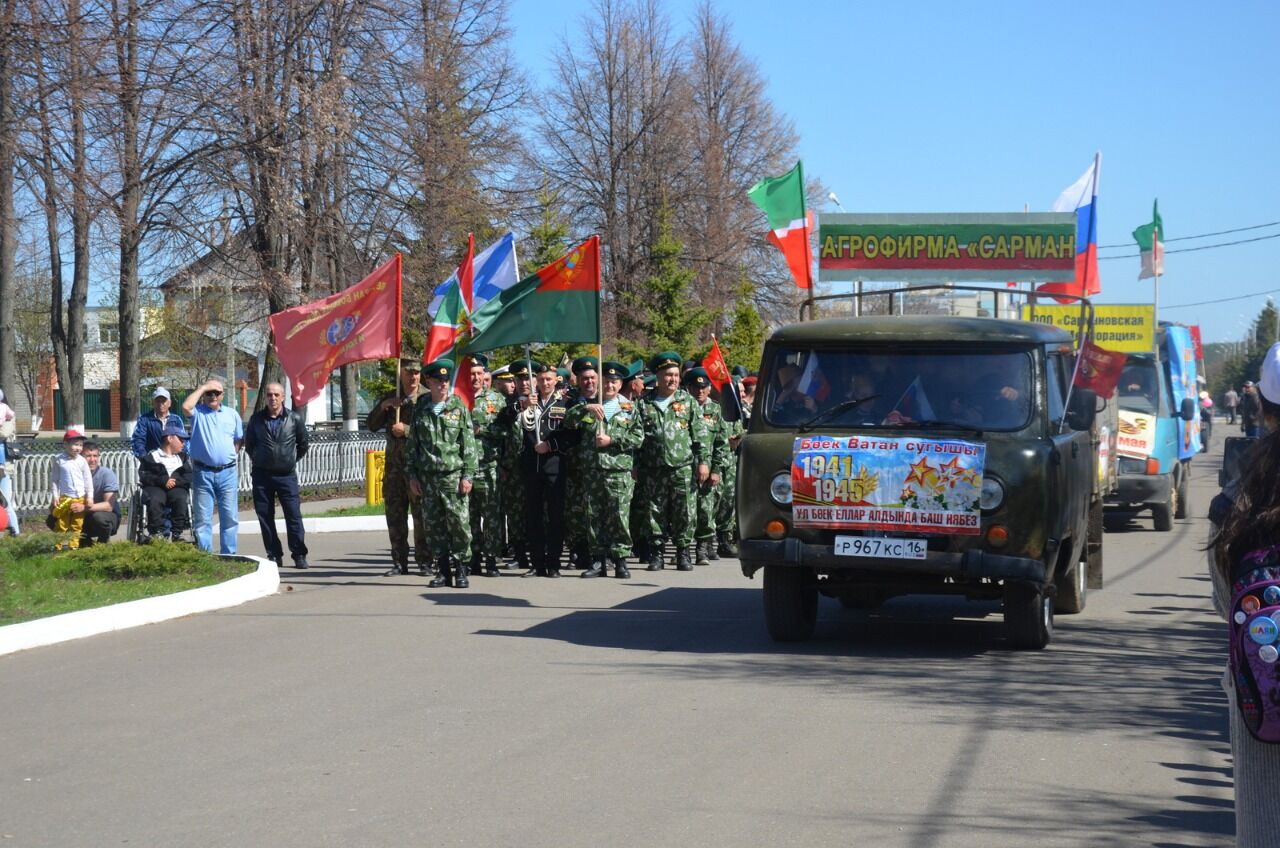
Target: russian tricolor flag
x: 1082, y: 198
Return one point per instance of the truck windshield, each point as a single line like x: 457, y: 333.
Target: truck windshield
x: 900, y: 388
x: 1139, y: 386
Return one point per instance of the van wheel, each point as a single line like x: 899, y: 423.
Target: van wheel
x: 1073, y: 590
x: 790, y: 603
x: 1028, y: 617
x: 1181, y: 505
x: 1094, y: 550
x: 1162, y: 514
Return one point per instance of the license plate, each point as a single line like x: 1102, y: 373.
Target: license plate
x: 885, y: 547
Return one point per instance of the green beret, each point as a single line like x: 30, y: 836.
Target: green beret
x: 636, y: 368
x: 697, y: 377
x: 666, y: 359
x: 615, y: 371
x: 521, y: 367
x: 585, y: 363
x: 542, y: 367
x: 479, y: 359
x: 441, y: 369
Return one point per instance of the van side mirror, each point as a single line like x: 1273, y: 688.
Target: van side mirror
x: 1083, y: 409
x: 1188, y: 411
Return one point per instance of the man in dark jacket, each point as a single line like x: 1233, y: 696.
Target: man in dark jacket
x: 275, y: 440
x: 148, y: 435
x: 165, y: 477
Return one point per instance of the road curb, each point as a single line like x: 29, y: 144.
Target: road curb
x: 77, y: 625
x: 336, y: 524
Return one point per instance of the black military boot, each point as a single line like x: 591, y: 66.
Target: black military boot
x: 684, y: 559
x: 655, y: 555
x: 727, y: 548
x: 491, y: 567
x: 597, y: 569
x: 700, y: 553
x: 473, y: 567
x: 459, y: 574
x: 442, y: 574
x: 620, y: 570
x: 585, y: 560
x: 711, y: 554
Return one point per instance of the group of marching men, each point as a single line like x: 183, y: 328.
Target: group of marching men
x: 602, y: 462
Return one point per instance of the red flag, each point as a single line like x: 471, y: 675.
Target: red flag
x: 714, y: 362
x: 356, y: 324
x: 1099, y: 369
x: 462, y: 379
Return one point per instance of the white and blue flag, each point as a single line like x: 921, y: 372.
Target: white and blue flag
x: 493, y: 270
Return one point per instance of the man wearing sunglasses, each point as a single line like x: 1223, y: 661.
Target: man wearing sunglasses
x: 216, y: 434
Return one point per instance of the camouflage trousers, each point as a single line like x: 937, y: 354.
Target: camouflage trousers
x: 608, y: 512
x: 511, y: 503
x: 708, y: 505
x: 447, y: 516
x: 486, y: 514
x: 670, y: 495
x: 639, y: 518
x: 397, y: 502
x: 575, y: 525
x: 727, y: 505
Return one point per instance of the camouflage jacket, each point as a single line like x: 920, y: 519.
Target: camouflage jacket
x: 625, y: 429
x: 441, y: 444
x: 379, y: 418
x: 717, y: 434
x: 674, y: 437
x: 486, y: 422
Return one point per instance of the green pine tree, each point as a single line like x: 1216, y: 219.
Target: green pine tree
x: 744, y: 340
x: 665, y: 314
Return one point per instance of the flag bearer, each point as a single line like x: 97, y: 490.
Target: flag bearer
x: 485, y: 508
x: 698, y: 383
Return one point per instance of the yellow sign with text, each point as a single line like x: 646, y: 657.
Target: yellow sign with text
x: 1129, y: 328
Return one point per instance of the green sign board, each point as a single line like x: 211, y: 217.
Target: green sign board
x: 1037, y: 247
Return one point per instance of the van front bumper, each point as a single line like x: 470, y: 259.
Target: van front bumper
x: 757, y: 553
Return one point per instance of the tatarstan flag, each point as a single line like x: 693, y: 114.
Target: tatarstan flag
x: 558, y: 303
x: 1150, y: 239
x: 782, y: 201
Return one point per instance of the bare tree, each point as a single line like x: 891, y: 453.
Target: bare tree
x: 33, y: 349
x: 8, y: 154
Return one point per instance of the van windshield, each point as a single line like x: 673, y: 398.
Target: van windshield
x: 1139, y: 386
x: 892, y: 387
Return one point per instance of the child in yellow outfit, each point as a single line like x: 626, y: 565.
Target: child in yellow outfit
x: 70, y: 481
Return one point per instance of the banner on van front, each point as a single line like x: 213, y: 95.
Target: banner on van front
x: 1127, y: 328
x: 906, y: 484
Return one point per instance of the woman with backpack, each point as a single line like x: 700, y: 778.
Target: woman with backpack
x: 1244, y: 562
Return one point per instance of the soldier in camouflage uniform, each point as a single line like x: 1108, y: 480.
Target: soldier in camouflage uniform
x: 677, y: 451
x: 639, y: 505
x: 575, y: 525
x: 486, y: 510
x: 610, y: 433
x: 698, y: 384
x: 442, y: 462
x: 727, y: 507
x: 395, y: 413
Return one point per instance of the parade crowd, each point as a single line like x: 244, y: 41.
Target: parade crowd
x: 596, y: 463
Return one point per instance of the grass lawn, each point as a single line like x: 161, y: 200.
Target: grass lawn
x: 362, y: 509
x: 37, y: 581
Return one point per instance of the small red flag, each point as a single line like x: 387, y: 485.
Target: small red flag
x: 1099, y: 369
x: 714, y: 362
x: 356, y: 324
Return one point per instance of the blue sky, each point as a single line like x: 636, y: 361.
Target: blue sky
x: 948, y: 107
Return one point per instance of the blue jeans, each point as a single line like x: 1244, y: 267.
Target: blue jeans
x: 6, y: 489
x: 206, y: 487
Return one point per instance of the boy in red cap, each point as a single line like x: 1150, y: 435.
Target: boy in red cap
x: 70, y: 481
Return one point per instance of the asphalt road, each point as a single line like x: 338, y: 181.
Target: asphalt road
x: 360, y: 710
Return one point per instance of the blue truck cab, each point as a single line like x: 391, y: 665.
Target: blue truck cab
x: 1159, y: 428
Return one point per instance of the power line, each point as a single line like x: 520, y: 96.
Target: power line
x: 1193, y: 249
x: 1219, y: 300
x: 1201, y: 235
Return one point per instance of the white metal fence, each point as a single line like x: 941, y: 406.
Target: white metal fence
x: 334, y: 459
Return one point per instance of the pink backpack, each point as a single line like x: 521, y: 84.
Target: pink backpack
x: 1254, y: 628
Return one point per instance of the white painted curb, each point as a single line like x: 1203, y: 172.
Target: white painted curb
x: 77, y: 625
x: 335, y: 524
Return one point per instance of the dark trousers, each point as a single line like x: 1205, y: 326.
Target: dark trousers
x: 175, y: 499
x: 266, y: 488
x: 544, y: 519
x: 98, y: 527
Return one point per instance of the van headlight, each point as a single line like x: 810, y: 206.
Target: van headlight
x: 992, y: 494
x: 780, y: 488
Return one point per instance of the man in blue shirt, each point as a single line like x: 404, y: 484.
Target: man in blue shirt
x: 216, y: 434
x: 149, y: 434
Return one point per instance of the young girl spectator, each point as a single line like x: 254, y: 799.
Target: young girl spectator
x: 71, y: 482
x: 1245, y: 518
x: 7, y: 432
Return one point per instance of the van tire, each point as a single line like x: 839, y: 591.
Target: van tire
x: 1028, y: 616
x: 1182, y: 506
x: 1073, y: 590
x: 790, y: 603
x: 1094, y: 541
x: 1162, y: 514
